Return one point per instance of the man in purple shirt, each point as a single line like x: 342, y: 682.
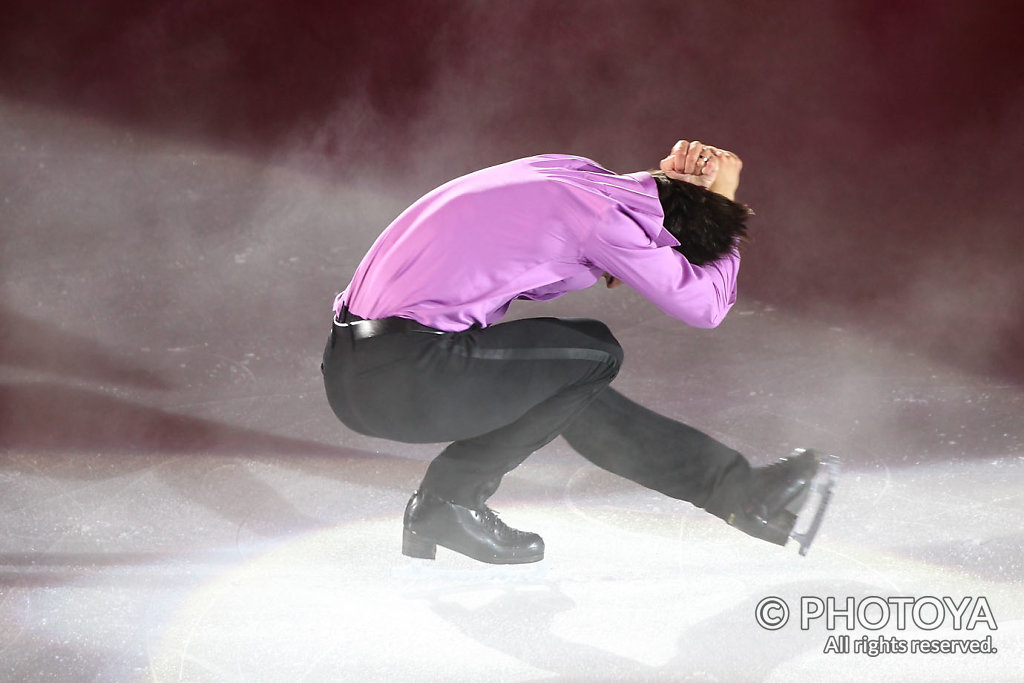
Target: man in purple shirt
x: 417, y: 353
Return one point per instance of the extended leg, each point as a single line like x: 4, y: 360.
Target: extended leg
x: 659, y: 453
x: 655, y: 451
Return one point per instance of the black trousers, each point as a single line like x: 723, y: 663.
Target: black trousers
x: 498, y: 394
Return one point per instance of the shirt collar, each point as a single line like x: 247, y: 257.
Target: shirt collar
x: 645, y: 208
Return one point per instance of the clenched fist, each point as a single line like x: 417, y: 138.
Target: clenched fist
x: 704, y: 165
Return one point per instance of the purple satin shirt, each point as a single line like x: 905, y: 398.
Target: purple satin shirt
x: 533, y: 228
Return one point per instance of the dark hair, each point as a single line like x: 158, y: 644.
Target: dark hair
x: 706, y: 224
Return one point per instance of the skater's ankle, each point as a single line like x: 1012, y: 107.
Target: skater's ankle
x: 730, y: 492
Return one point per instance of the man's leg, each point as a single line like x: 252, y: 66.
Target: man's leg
x: 497, y: 393
x: 659, y: 453
x: 627, y: 439
x: 571, y: 360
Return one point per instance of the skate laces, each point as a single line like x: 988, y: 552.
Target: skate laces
x: 491, y: 518
x: 493, y: 521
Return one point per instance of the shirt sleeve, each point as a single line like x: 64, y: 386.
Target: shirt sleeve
x: 698, y: 295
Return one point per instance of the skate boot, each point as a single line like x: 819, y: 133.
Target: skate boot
x: 477, y: 533
x: 776, y: 497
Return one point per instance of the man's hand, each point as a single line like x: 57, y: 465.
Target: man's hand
x: 704, y: 165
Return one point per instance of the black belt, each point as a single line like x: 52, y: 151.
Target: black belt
x: 363, y: 329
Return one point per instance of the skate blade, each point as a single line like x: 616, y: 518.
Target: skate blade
x: 815, y: 503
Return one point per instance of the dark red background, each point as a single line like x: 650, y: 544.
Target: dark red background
x: 882, y: 140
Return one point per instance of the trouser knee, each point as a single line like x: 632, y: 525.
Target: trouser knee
x: 606, y: 342
x: 615, y: 357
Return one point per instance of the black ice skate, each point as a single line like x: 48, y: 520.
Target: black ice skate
x: 794, y: 489
x: 431, y: 521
